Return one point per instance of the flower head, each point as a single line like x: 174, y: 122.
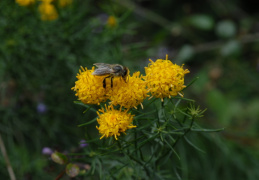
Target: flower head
x: 129, y: 94
x: 165, y: 79
x: 83, y: 144
x: 111, y: 21
x: 47, y: 11
x: 41, y: 108
x: 89, y: 88
x: 64, y: 3
x: 25, y: 2
x: 47, y: 1
x: 113, y: 122
x: 195, y: 111
x: 47, y: 151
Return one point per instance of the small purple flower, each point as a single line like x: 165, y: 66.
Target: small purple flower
x: 83, y: 144
x: 47, y: 151
x: 41, y: 108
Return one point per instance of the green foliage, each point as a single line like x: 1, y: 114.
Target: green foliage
x: 150, y: 150
x: 39, y: 61
x: 226, y: 29
x: 203, y: 22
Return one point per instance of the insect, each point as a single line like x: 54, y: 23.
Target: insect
x: 111, y: 70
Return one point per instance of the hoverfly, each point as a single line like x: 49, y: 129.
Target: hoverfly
x: 111, y: 70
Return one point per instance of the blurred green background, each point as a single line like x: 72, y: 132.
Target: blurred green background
x: 218, y: 41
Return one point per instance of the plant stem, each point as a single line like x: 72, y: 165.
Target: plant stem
x: 8, y: 164
x: 185, y: 132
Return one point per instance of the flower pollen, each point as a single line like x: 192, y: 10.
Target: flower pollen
x: 165, y: 79
x: 113, y: 122
x: 25, y: 2
x: 47, y: 11
x: 111, y: 21
x: 129, y: 94
x: 89, y: 88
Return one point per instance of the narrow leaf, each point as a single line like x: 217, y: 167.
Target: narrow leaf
x: 176, y: 104
x: 172, y: 150
x: 195, y: 79
x: 144, y: 114
x: 144, y: 142
x: 191, y: 144
x: 85, y: 105
x: 184, y: 113
x: 186, y: 99
x: 207, y: 130
x: 89, y: 122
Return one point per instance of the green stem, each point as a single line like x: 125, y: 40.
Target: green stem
x: 133, y: 158
x: 6, y: 158
x: 188, y: 130
x: 142, y: 164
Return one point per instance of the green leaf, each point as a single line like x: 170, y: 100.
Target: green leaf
x: 93, y: 140
x: 176, y: 104
x: 166, y: 158
x: 185, y: 53
x: 140, y: 128
x: 144, y: 114
x: 231, y: 48
x: 195, y: 79
x: 207, y: 130
x: 202, y: 21
x: 150, y: 102
x: 226, y: 29
x: 172, y: 149
x: 188, y: 115
x: 190, y: 143
x: 145, y: 141
x: 186, y: 99
x: 89, y: 107
x: 89, y: 122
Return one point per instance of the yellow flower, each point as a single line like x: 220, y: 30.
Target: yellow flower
x: 165, y: 79
x: 47, y: 1
x: 89, y: 88
x: 111, y: 21
x: 47, y: 11
x: 25, y: 2
x: 113, y: 122
x: 129, y: 94
x: 64, y: 3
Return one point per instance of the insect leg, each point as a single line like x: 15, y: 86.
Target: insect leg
x: 111, y: 82
x: 104, y: 81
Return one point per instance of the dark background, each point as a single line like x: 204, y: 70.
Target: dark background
x: 218, y: 41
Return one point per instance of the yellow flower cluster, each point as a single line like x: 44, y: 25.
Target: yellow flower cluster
x: 113, y: 122
x: 111, y: 21
x: 25, y: 2
x: 89, y: 88
x: 129, y: 94
x: 64, y: 3
x: 165, y: 79
x: 47, y: 9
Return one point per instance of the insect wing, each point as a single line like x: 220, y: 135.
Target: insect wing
x: 102, y: 71
x: 102, y: 65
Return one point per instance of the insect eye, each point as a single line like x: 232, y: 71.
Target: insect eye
x: 117, y: 68
x: 125, y: 71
